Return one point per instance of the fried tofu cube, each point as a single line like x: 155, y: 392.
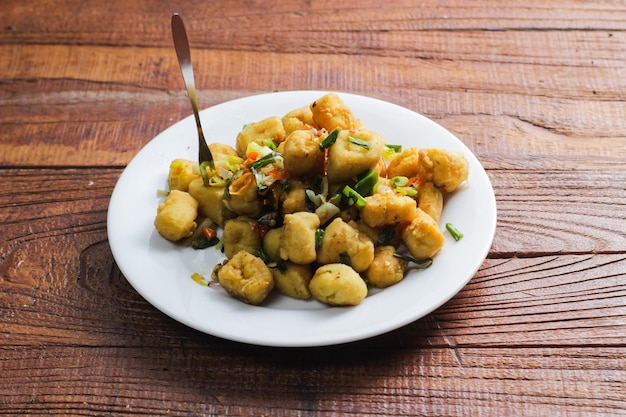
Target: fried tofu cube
x: 176, y: 216
x: 297, y: 243
x: 270, y: 128
x: 211, y: 201
x: 422, y: 236
x: 353, y: 153
x: 330, y: 112
x: 294, y: 280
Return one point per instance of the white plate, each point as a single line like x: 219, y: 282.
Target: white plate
x: 161, y: 271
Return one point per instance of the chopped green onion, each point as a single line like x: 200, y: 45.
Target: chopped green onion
x: 330, y: 139
x: 319, y: 236
x: 281, y: 266
x: 394, y: 148
x: 203, y: 173
x: 351, y: 193
x: 362, y: 143
x: 419, y: 264
x: 259, y: 178
x: 365, y: 186
x: 263, y: 255
x: 410, y: 191
x: 162, y: 193
x: 270, y: 143
x: 399, y: 181
x: 344, y: 258
x: 387, y: 236
x: 454, y: 231
x: 261, y: 162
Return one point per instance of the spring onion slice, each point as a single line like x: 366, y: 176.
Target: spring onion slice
x: 270, y: 158
x: 360, y: 142
x: 365, y: 186
x: 387, y: 236
x: 394, y: 148
x: 330, y: 139
x: 319, y: 236
x: 205, y: 177
x: 351, y: 193
x: 399, y: 181
x: 344, y: 258
x: 419, y: 263
x: 454, y: 231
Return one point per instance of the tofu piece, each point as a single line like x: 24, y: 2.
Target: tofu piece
x: 176, y: 216
x: 270, y: 128
x: 422, y: 236
x: 211, y: 202
x: 297, y: 243
x: 347, y: 159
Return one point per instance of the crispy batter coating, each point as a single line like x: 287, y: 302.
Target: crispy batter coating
x: 343, y: 240
x: 176, y: 216
x: 338, y: 285
x: 386, y: 269
x: 298, y: 119
x: 330, y: 112
x: 445, y: 169
x: 422, y: 236
x: 294, y: 280
x: 246, y: 277
x: 297, y: 243
x: 182, y: 172
x: 431, y: 200
x: 388, y: 208
x: 347, y: 159
x: 302, y: 154
x: 240, y: 234
x: 210, y: 201
x: 270, y: 128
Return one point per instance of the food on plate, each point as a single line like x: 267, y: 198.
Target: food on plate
x: 386, y: 269
x: 314, y: 204
x: 338, y: 285
x: 176, y: 216
x: 246, y: 277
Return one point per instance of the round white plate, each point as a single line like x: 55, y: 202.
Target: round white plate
x: 161, y: 271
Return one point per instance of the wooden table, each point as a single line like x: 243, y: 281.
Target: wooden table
x: 536, y: 89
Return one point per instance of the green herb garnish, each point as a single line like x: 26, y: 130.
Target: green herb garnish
x: 367, y: 182
x: 344, y: 258
x: 270, y: 158
x: 330, y: 139
x: 394, y: 148
x: 319, y: 236
x: 352, y: 194
x: 362, y: 143
x: 454, y: 231
x: 419, y: 263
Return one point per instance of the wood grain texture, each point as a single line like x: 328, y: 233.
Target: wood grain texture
x: 535, y: 89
